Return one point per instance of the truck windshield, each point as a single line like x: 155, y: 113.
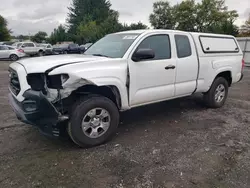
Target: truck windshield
x: 113, y: 45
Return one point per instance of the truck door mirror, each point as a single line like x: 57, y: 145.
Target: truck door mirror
x: 143, y: 54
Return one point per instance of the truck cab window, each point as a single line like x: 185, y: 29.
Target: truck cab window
x: 183, y: 46
x: 160, y: 44
x: 29, y: 45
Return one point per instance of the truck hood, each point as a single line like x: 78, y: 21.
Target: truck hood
x: 42, y: 64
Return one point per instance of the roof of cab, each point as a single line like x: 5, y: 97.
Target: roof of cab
x: 170, y: 31
x: 148, y: 31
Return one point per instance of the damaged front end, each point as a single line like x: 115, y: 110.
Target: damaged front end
x: 55, y: 87
x: 44, y: 104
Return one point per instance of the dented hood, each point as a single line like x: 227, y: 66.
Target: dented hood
x: 42, y: 64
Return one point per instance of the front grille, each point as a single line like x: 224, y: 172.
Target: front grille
x: 14, y: 82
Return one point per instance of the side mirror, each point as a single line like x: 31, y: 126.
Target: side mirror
x: 22, y: 46
x: 142, y: 54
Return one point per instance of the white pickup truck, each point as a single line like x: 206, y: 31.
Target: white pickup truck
x: 83, y: 94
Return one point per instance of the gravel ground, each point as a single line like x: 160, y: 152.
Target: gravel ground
x: 172, y: 144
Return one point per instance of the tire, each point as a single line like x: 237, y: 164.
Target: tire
x: 14, y: 57
x: 40, y: 53
x: 80, y: 112
x: 219, y: 84
x: 65, y: 52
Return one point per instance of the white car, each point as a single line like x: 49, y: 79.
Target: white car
x: 85, y: 93
x: 9, y: 52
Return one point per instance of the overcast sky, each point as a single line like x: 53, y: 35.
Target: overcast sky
x: 30, y: 16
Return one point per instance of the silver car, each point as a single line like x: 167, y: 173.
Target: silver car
x: 9, y: 52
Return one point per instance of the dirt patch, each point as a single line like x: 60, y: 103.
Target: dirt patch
x: 172, y: 144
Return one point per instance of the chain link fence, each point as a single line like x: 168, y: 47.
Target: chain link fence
x: 244, y: 43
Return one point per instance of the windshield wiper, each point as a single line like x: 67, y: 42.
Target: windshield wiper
x: 101, y: 55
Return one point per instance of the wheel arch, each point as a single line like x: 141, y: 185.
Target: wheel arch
x: 109, y: 91
x: 227, y: 74
x: 12, y: 55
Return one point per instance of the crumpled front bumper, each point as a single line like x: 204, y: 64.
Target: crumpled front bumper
x: 37, y: 110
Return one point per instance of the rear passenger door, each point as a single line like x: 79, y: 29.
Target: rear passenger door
x: 186, y: 65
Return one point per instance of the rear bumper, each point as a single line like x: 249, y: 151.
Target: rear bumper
x: 37, y: 110
x: 20, y: 55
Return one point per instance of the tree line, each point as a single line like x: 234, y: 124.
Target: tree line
x: 88, y: 21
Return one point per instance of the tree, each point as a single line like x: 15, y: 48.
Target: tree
x: 4, y: 31
x: 58, y: 35
x: 245, y: 29
x: 88, y: 32
x: 85, y: 11
x: 23, y: 37
x: 39, y: 37
x: 135, y: 26
x: 207, y: 16
x: 163, y: 16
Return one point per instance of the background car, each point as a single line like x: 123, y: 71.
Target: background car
x: 31, y: 48
x: 9, y: 52
x: 84, y: 47
x: 48, y: 50
x: 67, y: 49
x: 9, y: 43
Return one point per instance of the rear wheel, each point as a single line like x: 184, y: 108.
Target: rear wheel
x: 14, y: 57
x: 93, y: 121
x: 40, y: 53
x: 217, y: 95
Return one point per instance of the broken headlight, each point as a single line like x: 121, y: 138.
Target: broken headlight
x: 64, y: 78
x: 36, y: 81
x: 56, y: 81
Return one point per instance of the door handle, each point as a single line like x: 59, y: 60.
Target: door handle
x: 170, y: 67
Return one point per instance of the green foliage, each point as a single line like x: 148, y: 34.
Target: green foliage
x: 207, y: 16
x: 90, y: 20
x: 85, y: 11
x: 4, y: 32
x: 39, y: 37
x: 88, y: 32
x: 58, y: 35
x: 163, y: 16
x: 22, y: 37
x: 135, y: 26
x: 245, y: 29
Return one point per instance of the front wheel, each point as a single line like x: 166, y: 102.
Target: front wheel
x: 217, y: 95
x: 93, y: 121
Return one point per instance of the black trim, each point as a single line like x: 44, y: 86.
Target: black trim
x: 61, y: 65
x: 241, y: 77
x: 43, y: 115
x: 209, y: 52
x: 14, y: 83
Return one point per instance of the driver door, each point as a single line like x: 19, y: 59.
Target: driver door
x: 153, y: 80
